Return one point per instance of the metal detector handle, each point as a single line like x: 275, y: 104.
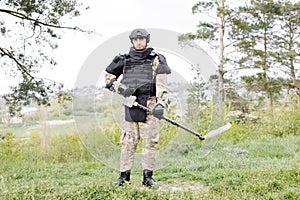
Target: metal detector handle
x: 201, y: 137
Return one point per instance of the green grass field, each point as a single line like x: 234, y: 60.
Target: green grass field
x: 267, y: 168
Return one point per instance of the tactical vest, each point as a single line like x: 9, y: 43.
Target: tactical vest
x: 138, y: 74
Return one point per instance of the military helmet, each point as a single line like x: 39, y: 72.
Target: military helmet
x: 139, y: 33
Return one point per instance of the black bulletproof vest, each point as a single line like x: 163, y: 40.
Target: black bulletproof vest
x: 138, y: 74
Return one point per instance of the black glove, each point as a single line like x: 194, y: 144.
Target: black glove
x: 158, y: 111
x: 110, y: 85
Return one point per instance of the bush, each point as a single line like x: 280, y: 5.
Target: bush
x: 61, y: 148
x: 280, y: 123
x: 9, y: 147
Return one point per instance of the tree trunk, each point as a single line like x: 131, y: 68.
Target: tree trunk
x: 265, y: 67
x: 221, y: 60
x: 296, y: 84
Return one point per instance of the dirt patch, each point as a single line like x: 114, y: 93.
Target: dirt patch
x: 192, y: 187
x: 60, y: 122
x: 183, y: 186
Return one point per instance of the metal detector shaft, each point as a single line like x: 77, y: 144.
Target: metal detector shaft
x: 201, y: 137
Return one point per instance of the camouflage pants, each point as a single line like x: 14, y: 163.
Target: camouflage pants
x: 131, y: 133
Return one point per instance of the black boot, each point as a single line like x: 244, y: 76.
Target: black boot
x: 148, y: 180
x: 125, y: 176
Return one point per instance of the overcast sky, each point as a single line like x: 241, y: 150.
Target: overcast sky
x: 110, y: 18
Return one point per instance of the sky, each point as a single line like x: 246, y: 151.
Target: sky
x: 107, y: 19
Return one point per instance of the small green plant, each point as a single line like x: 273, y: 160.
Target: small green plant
x: 9, y: 147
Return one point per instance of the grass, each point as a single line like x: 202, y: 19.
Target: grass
x: 265, y: 168
x: 23, y: 130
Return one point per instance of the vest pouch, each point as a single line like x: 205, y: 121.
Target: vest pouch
x: 135, y: 114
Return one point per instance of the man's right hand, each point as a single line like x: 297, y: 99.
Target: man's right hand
x: 118, y: 87
x: 123, y: 90
x: 110, y: 85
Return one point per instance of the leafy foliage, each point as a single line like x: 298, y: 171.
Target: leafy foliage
x: 213, y: 29
x: 257, y: 45
x: 30, y: 30
x: 255, y: 30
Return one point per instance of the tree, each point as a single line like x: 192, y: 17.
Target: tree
x: 197, y: 104
x: 254, y: 30
x: 197, y: 98
x: 287, y: 45
x: 212, y: 29
x: 29, y: 28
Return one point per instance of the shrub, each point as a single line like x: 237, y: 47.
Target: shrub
x: 9, y: 147
x: 61, y: 148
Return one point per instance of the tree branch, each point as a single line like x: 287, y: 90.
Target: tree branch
x: 37, y: 22
x: 240, y: 68
x: 20, y: 66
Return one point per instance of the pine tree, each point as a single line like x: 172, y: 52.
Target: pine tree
x: 214, y: 32
x: 287, y: 43
x: 254, y: 29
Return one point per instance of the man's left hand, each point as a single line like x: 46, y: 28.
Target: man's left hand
x: 158, y: 111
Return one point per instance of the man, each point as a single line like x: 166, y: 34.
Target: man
x: 144, y: 76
